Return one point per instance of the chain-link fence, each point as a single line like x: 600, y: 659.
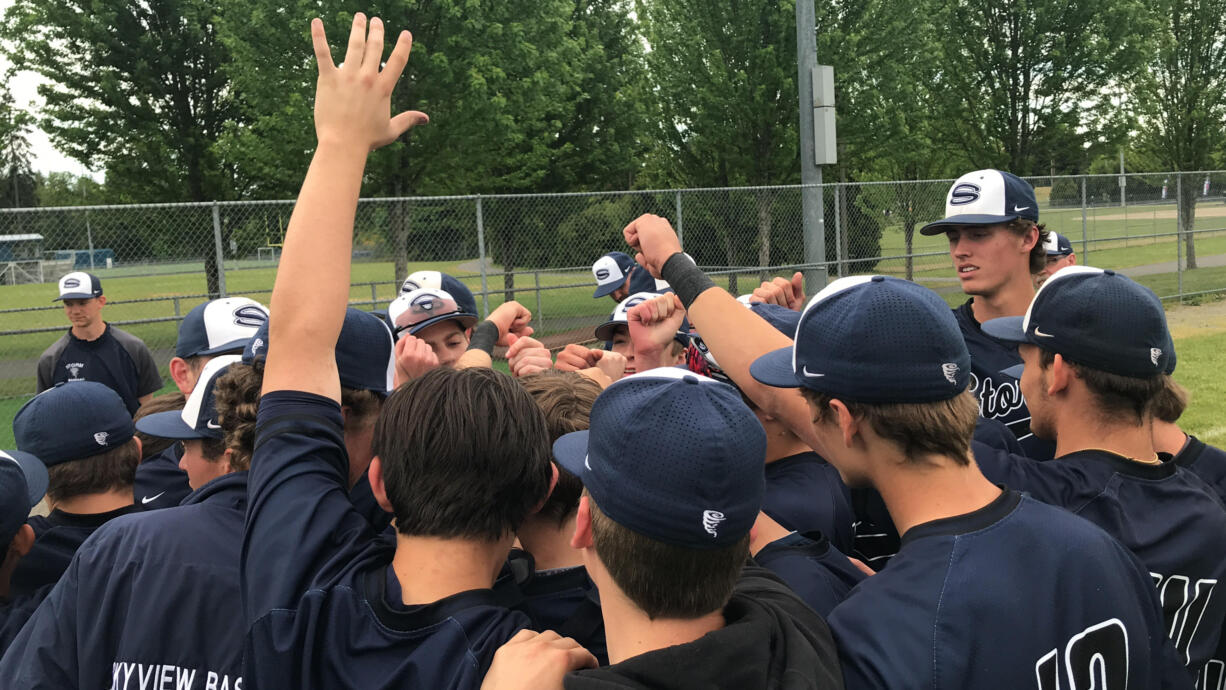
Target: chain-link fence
x: 1168, y: 230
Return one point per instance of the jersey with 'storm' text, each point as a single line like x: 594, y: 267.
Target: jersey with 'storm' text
x: 116, y: 359
x: 999, y: 395
x: 1014, y: 595
x: 1165, y: 515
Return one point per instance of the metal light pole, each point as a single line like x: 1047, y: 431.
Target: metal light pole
x: 810, y: 173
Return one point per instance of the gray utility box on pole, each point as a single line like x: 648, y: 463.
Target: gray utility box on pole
x: 824, y: 140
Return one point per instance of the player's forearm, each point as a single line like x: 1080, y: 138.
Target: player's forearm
x: 312, y: 286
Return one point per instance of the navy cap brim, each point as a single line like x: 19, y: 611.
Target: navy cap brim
x: 606, y: 289
x: 170, y: 424
x: 606, y: 330
x: 466, y: 321
x: 1008, y: 328
x: 938, y: 227
x: 1015, y: 371
x: 234, y: 347
x: 570, y: 451
x: 774, y: 369
x: 75, y: 295
x: 35, y: 472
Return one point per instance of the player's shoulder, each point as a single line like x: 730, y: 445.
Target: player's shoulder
x: 127, y: 340
x: 54, y: 350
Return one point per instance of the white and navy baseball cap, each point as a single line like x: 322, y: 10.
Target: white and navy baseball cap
x: 437, y: 280
x: 621, y: 317
x: 414, y: 311
x: 986, y: 197
x: 671, y: 455
x: 1057, y: 245
x: 198, y: 418
x: 72, y: 421
x: 23, y: 481
x: 610, y: 272
x: 365, y: 352
x: 873, y: 339
x: 219, y: 326
x: 79, y: 285
x: 1096, y: 318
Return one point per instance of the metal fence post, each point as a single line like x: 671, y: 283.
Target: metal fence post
x: 838, y: 230
x: 374, y: 294
x: 221, y: 261
x: 536, y: 278
x: 1085, y: 237
x: 89, y: 234
x: 1179, y: 233
x: 680, y: 225
x: 485, y: 291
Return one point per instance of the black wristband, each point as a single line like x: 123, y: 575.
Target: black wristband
x: 484, y: 336
x: 685, y: 278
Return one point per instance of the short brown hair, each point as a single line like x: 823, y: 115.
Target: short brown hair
x: 152, y: 445
x: 566, y: 399
x: 944, y: 427
x: 1170, y: 402
x: 663, y: 580
x: 1038, y: 253
x: 114, y: 470
x: 1116, y: 395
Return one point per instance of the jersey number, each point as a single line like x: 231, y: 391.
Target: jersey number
x: 1183, y: 605
x: 1094, y: 659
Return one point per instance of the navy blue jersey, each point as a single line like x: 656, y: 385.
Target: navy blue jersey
x: 1164, y: 514
x: 15, y: 612
x: 1206, y: 462
x: 804, y: 493
x: 56, y: 539
x: 315, y: 575
x: 999, y: 396
x: 566, y: 601
x: 147, y: 596
x: 159, y: 481
x: 116, y: 359
x: 819, y: 573
x: 1016, y: 594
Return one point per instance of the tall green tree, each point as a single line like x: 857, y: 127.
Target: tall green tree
x: 17, y: 177
x: 133, y: 87
x: 1181, y: 97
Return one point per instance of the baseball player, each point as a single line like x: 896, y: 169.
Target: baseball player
x: 218, y: 327
x: 672, y: 476
x: 112, y: 613
x: 460, y: 456
x: 1205, y: 461
x: 23, y: 481
x: 93, y: 350
x: 1059, y: 254
x: 1096, y: 349
x: 997, y: 244
x: 617, y: 276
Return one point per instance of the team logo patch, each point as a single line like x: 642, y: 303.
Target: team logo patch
x: 951, y: 372
x: 602, y: 274
x: 257, y: 345
x: 409, y: 285
x: 71, y: 283
x: 711, y: 520
x: 963, y: 194
x: 633, y: 302
x: 250, y: 316
x: 1154, y: 355
x: 424, y: 302
x: 100, y: 437
x: 75, y: 369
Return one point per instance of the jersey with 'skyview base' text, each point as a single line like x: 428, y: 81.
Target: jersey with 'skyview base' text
x: 319, y: 612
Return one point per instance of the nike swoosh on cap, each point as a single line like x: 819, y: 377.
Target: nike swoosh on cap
x: 211, y: 425
x: 805, y: 370
x: 1019, y: 209
x: 151, y: 499
x: 1041, y: 334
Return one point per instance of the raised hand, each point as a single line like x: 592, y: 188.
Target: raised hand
x: 527, y: 356
x: 611, y: 364
x: 535, y: 661
x: 353, y: 102
x: 653, y: 324
x: 576, y: 357
x: 511, y: 318
x: 414, y: 357
x: 781, y: 291
x: 655, y: 241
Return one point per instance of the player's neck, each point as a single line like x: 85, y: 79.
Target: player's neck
x: 1012, y: 299
x: 1086, y: 432
x: 90, y: 332
x: 918, y: 493
x: 94, y: 504
x: 430, y: 568
x: 783, y: 444
x: 629, y: 632
x: 549, y: 543
x: 1168, y: 437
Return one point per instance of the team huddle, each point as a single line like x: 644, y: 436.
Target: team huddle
x: 861, y: 488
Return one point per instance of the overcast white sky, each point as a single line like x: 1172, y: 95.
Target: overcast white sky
x: 24, y: 88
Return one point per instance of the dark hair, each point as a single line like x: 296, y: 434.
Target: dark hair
x: 944, y: 427
x: 663, y: 580
x: 152, y: 445
x: 465, y: 454
x: 114, y: 470
x: 1170, y: 402
x: 1116, y: 395
x: 1038, y: 253
x: 566, y: 399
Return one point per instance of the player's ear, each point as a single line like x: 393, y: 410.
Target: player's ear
x: 1061, y: 375
x: 848, y: 424
x: 225, y: 457
x: 101, y: 300
x: 582, y: 538
x: 22, y: 542
x: 180, y: 372
x: 375, y: 474
x: 553, y: 484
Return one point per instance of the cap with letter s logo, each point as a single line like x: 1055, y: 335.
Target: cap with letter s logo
x: 965, y: 193
x: 250, y: 315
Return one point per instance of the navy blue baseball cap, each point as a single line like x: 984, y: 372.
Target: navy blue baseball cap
x: 641, y: 281
x: 783, y: 319
x: 986, y: 197
x: 365, y: 353
x: 23, y: 481
x: 673, y: 456
x: 437, y: 280
x: 72, y: 421
x: 610, y: 272
x: 198, y: 418
x: 1096, y: 318
x: 873, y: 339
x: 1057, y: 245
x: 421, y: 308
x: 79, y: 285
x: 219, y: 326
